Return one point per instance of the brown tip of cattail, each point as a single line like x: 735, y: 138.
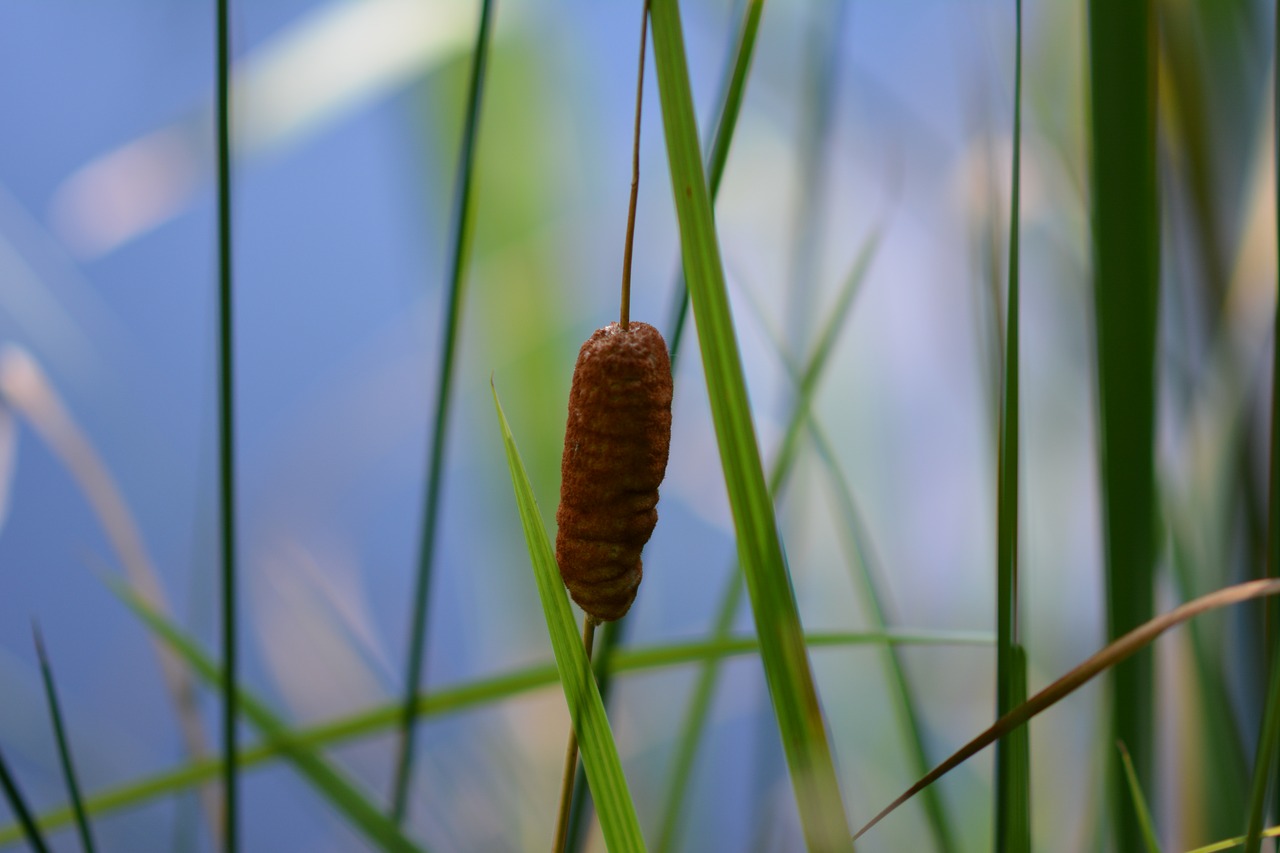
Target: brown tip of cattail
x: 615, y: 454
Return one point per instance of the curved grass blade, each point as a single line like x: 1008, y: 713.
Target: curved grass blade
x: 64, y: 751
x: 795, y: 700
x: 1126, y: 238
x: 13, y: 796
x: 1152, y: 845
x: 226, y: 434
x: 453, y: 700
x: 1269, y: 737
x: 595, y: 739
x: 327, y: 779
x: 1013, y: 754
x: 1106, y: 658
x: 444, y: 383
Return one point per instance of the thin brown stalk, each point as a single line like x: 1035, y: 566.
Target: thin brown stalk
x: 624, y: 314
x: 571, y: 755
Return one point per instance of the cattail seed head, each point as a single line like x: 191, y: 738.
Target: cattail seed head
x: 615, y: 454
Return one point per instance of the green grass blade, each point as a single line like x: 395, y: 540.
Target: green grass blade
x: 475, y: 694
x: 718, y: 157
x: 726, y: 122
x: 695, y: 721
x: 1126, y: 236
x: 1269, y: 738
x: 1152, y: 844
x: 444, y: 384
x: 325, y: 778
x: 807, y: 381
x: 786, y: 665
x: 1012, y: 778
x: 64, y: 751
x: 1233, y: 843
x: 18, y: 804
x: 856, y: 541
x: 595, y: 740
x: 611, y: 637
x: 1222, y: 739
x: 226, y: 432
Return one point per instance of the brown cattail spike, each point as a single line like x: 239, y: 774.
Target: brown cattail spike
x: 615, y: 455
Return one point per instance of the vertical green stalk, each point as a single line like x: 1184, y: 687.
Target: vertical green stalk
x: 1126, y: 237
x: 1012, y: 795
x: 64, y: 750
x: 795, y: 700
x: 444, y: 384
x: 226, y: 431
x: 1264, y: 760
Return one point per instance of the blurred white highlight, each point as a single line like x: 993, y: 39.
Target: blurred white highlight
x: 331, y: 63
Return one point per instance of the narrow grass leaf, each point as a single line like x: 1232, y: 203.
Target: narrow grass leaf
x: 1012, y: 779
x: 1139, y: 801
x: 462, y: 217
x: 795, y: 700
x: 1126, y: 248
x: 64, y: 751
x: 806, y: 380
x: 1269, y: 738
x: 475, y: 694
x: 18, y: 804
x: 1233, y: 843
x: 595, y: 740
x: 226, y: 431
x: 718, y: 157
x: 327, y: 780
x: 695, y: 721
x: 1222, y: 739
x: 1101, y: 661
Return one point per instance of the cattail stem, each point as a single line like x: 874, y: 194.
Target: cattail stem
x: 571, y: 753
x: 624, y: 315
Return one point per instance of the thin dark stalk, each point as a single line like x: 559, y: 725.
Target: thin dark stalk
x: 1264, y: 760
x: 226, y: 432
x: 19, y: 806
x: 444, y: 383
x: 64, y: 751
x: 571, y: 756
x: 1012, y: 800
x: 624, y: 312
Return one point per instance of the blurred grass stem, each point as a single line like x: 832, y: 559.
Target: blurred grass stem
x: 444, y: 382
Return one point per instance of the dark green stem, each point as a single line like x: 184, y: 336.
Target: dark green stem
x: 226, y: 430
x: 431, y: 513
x: 64, y: 750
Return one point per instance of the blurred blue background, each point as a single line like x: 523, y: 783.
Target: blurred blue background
x: 890, y: 118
